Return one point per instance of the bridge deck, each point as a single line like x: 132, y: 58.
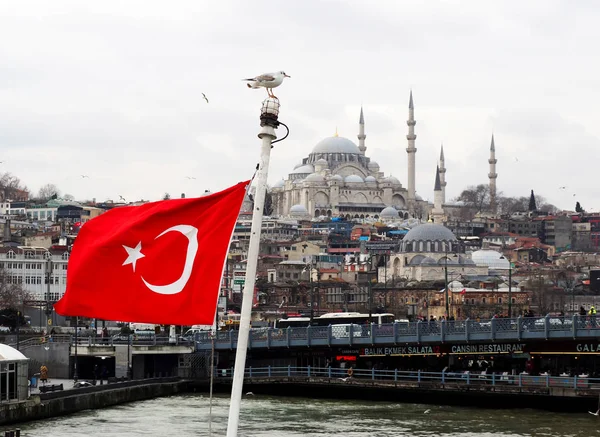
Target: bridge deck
x: 467, y: 331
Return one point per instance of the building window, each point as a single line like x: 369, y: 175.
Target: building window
x: 10, y: 255
x: 499, y: 300
x: 483, y: 300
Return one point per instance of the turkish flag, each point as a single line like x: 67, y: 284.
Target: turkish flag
x: 160, y: 262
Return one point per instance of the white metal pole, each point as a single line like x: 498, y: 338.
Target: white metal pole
x: 267, y: 135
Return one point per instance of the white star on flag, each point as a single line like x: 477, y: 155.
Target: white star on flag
x: 133, y: 254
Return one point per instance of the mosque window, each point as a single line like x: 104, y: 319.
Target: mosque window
x: 499, y: 300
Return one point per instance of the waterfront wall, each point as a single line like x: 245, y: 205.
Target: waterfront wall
x: 71, y: 401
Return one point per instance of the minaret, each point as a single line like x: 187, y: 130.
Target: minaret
x: 411, y: 150
x: 437, y: 212
x: 493, y: 175
x: 443, y: 175
x: 361, y: 133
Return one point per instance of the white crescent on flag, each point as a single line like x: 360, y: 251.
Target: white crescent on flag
x: 191, y: 233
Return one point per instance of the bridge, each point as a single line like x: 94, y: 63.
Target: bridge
x: 464, y: 331
x: 420, y: 385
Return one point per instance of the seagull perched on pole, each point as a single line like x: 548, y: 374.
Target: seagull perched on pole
x: 268, y: 81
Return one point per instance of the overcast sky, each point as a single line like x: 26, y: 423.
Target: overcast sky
x: 113, y: 90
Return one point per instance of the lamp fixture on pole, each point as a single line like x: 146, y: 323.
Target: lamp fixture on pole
x: 446, y: 281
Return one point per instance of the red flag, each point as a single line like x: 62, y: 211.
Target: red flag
x: 156, y: 263
x: 464, y: 290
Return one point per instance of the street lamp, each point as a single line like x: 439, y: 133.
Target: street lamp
x: 446, y: 281
x: 310, y: 285
x: 75, y: 376
x: 510, y: 266
x: 370, y: 287
x: 49, y: 266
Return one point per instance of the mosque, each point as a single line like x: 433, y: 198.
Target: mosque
x: 338, y: 179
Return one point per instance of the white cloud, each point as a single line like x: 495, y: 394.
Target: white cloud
x: 114, y: 90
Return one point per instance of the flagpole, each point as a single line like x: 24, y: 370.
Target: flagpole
x: 268, y: 123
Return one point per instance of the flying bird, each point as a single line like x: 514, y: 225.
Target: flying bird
x: 190, y: 177
x: 426, y: 411
x: 516, y: 159
x: 205, y: 98
x: 562, y: 188
x: 122, y: 198
x: 85, y: 176
x: 268, y: 81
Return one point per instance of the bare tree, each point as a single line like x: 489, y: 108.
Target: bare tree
x: 476, y: 199
x: 68, y: 197
x: 12, y: 292
x: 48, y: 191
x: 546, y: 297
x: 10, y: 185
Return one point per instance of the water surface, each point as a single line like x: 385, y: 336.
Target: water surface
x: 266, y: 416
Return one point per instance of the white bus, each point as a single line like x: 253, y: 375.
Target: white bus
x: 337, y: 319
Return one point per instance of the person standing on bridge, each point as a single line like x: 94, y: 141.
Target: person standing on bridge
x: 592, y: 314
x: 43, y: 374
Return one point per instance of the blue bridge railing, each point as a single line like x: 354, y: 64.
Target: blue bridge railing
x: 576, y: 382
x: 496, y: 329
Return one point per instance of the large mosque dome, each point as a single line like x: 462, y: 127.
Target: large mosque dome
x: 429, y: 232
x: 336, y: 145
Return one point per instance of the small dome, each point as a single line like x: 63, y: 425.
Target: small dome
x: 456, y: 286
x: 298, y: 165
x: 373, y: 166
x: 417, y: 197
x: 393, y: 180
x: 337, y: 177
x: 389, y: 213
x: 428, y: 261
x: 321, y: 162
x: 279, y: 184
x: 354, y: 179
x: 490, y: 258
x: 336, y: 145
x: 9, y: 353
x: 298, y: 209
x: 315, y: 177
x: 416, y: 260
x: 304, y: 169
x: 370, y: 179
x: 449, y: 260
x: 429, y: 232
